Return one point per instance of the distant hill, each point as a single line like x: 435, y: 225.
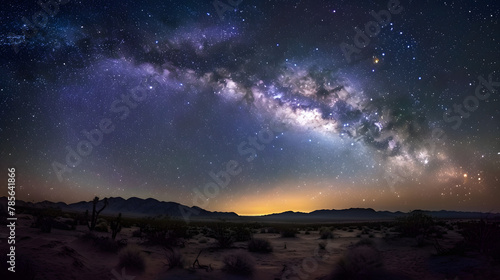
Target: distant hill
x: 130, y: 207
x: 367, y: 214
x: 151, y: 207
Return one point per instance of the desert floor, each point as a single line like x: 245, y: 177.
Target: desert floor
x: 64, y: 254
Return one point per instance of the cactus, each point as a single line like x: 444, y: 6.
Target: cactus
x: 116, y: 226
x: 95, y: 213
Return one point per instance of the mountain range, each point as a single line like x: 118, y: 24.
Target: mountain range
x: 153, y: 208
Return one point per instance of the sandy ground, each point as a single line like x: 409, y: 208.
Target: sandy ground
x: 65, y: 255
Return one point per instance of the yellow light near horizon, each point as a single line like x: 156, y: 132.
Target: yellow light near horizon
x: 465, y: 175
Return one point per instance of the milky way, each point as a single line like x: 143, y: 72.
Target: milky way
x: 151, y: 99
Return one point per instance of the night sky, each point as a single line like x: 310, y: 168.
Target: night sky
x: 297, y: 105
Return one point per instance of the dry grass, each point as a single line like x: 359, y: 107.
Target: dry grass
x: 132, y: 258
x: 239, y: 263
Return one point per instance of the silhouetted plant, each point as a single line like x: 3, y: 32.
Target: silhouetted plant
x: 174, y: 258
x: 326, y: 233
x: 223, y: 236
x: 242, y: 233
x: 288, y: 232
x: 259, y: 245
x: 132, y: 258
x: 481, y: 236
x: 361, y: 261
x: 239, y: 263
x: 102, y: 226
x: 116, y: 226
x: 95, y: 212
x: 416, y: 223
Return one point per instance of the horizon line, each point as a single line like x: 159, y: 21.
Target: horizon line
x: 259, y: 215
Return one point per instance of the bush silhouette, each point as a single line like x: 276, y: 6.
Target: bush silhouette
x: 132, y: 258
x: 239, y: 263
x: 416, y: 223
x: 259, y: 245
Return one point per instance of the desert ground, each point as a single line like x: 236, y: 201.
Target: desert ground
x: 164, y: 249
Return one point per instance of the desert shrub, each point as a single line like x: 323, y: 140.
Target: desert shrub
x: 102, y: 227
x: 371, y: 235
x: 239, y: 263
x: 174, y: 258
x: 350, y: 230
x: 164, y: 232
x: 416, y: 223
x: 326, y: 233
x: 481, y: 236
x: 322, y: 245
x: 164, y: 238
x: 259, y: 245
x: 223, y: 236
x: 307, y: 232
x: 365, y: 230
x: 288, y: 232
x: 242, y: 234
x: 359, y: 262
x: 132, y: 258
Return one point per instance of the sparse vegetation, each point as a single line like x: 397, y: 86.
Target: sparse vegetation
x: 116, y: 226
x: 95, y: 213
x: 288, y: 232
x: 481, y: 236
x: 239, y: 263
x: 416, y: 223
x: 242, y: 233
x: 326, y: 233
x: 132, y: 258
x: 361, y: 261
x: 174, y: 258
x: 102, y: 226
x: 259, y: 245
x: 223, y: 236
